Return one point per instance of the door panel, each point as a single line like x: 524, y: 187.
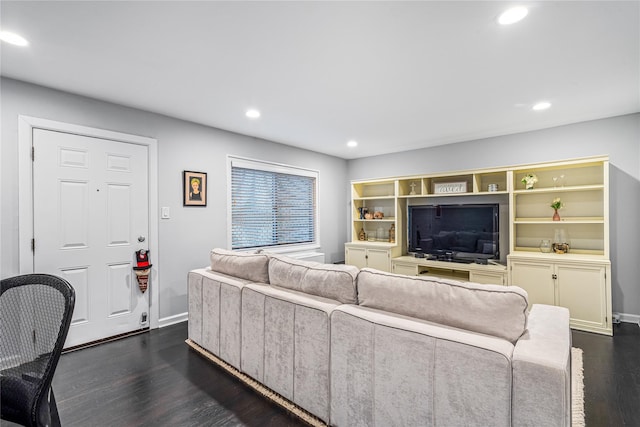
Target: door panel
x: 536, y: 279
x: 90, y: 205
x: 378, y: 259
x: 119, y: 214
x: 576, y: 281
x: 119, y: 289
x: 79, y: 278
x: 357, y: 257
x: 74, y: 213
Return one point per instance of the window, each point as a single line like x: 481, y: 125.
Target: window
x: 272, y: 205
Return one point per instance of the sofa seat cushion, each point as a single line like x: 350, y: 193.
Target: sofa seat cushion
x: 214, y: 312
x: 326, y: 305
x: 435, y: 330
x: 336, y: 282
x: 488, y: 309
x: 285, y: 344
x: 250, y: 266
x: 388, y: 369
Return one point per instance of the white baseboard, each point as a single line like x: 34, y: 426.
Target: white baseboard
x: 628, y: 318
x: 172, y: 320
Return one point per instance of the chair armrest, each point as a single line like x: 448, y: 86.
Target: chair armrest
x: 542, y: 369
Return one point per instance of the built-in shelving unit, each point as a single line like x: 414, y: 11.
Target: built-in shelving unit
x: 579, y: 279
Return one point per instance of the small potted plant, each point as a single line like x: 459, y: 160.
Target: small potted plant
x: 556, y: 204
x: 529, y: 180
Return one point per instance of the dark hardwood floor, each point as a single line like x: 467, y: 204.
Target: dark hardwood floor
x: 611, y: 376
x: 154, y: 379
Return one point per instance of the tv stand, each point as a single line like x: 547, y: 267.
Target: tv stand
x: 495, y: 274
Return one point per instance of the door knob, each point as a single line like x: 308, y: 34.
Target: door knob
x: 141, y: 239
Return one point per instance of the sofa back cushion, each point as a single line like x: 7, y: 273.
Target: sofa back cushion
x: 489, y: 309
x: 250, y: 266
x: 336, y: 282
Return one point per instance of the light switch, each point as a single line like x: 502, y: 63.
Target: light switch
x: 165, y: 213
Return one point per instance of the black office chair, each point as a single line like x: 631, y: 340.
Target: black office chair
x: 36, y: 311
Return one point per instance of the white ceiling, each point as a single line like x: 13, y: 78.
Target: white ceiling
x: 392, y: 75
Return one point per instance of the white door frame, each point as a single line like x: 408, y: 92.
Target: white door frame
x: 26, y: 125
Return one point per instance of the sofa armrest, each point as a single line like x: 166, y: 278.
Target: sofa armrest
x: 542, y: 370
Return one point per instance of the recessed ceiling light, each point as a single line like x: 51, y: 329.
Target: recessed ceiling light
x: 513, y: 15
x: 352, y: 143
x: 253, y: 114
x: 542, y: 106
x: 13, y: 38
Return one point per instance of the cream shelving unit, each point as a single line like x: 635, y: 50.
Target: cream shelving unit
x: 376, y: 250
x: 579, y: 280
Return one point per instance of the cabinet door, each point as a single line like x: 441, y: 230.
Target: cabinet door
x: 535, y: 278
x: 379, y: 259
x: 486, y: 278
x: 356, y: 256
x: 582, y: 289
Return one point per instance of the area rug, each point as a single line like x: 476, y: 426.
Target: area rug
x: 577, y: 388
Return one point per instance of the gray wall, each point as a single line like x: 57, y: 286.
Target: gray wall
x: 186, y: 239
x: 184, y: 145
x: 617, y: 137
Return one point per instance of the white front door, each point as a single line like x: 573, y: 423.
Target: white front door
x: 91, y: 213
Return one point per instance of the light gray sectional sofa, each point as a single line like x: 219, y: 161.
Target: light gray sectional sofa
x: 368, y: 348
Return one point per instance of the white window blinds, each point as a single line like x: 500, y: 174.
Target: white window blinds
x: 271, y: 208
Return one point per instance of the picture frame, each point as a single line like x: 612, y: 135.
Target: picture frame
x: 194, y: 188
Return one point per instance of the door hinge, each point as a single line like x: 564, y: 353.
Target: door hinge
x: 33, y: 153
x: 33, y: 245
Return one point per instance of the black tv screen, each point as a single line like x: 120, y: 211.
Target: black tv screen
x: 458, y: 232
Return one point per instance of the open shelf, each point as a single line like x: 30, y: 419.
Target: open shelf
x: 579, y: 220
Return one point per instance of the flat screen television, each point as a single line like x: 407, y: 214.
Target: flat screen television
x: 464, y: 232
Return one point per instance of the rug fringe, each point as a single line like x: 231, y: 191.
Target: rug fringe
x: 577, y: 388
x: 259, y: 387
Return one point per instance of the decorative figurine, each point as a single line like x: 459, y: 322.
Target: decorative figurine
x: 142, y: 269
x: 392, y: 233
x: 362, y: 235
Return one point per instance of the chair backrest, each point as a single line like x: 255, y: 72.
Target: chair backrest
x: 36, y: 311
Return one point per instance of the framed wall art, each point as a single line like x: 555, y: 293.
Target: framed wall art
x: 194, y: 188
